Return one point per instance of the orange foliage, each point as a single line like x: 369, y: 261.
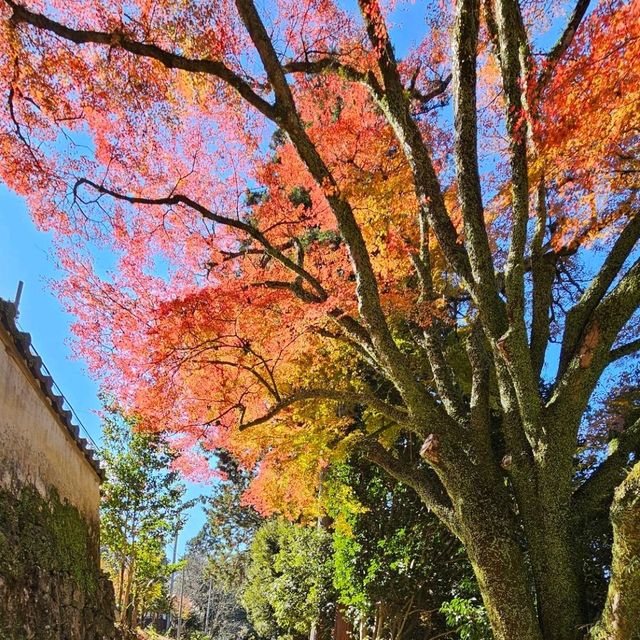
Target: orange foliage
x: 191, y: 323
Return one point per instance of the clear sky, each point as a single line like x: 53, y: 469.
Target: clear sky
x: 27, y: 254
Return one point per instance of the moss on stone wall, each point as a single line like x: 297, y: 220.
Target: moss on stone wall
x: 49, y: 534
x: 51, y: 585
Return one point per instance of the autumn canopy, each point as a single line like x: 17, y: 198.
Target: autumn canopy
x: 295, y: 229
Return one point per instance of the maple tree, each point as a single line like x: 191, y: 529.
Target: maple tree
x: 320, y: 246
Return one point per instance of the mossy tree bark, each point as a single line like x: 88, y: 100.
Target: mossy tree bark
x: 621, y: 617
x: 493, y: 542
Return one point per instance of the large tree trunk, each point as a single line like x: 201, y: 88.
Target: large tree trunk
x: 526, y: 565
x: 559, y: 600
x: 553, y: 554
x: 499, y: 565
x: 621, y: 616
x: 491, y: 536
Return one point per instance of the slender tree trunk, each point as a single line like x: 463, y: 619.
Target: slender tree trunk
x: 121, y: 592
x: 126, y: 603
x: 208, y: 611
x: 133, y: 619
x: 179, y: 629
x: 402, y: 618
x: 380, y: 620
x: 173, y: 576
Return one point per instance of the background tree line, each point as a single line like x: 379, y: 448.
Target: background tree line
x: 377, y: 557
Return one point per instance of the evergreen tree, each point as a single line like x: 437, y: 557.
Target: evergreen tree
x: 141, y: 507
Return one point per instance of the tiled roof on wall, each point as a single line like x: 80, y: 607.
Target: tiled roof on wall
x: 34, y: 363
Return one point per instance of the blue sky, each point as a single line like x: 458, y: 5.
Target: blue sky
x: 27, y: 254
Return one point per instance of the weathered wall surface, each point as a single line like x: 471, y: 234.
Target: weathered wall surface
x: 35, y: 448
x: 51, y: 585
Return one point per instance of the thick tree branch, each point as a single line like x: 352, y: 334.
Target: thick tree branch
x: 398, y: 415
x: 580, y: 314
x: 352, y: 328
x: 294, y: 287
x: 438, y: 89
x: 425, y: 484
x: 166, y: 58
x: 480, y: 402
x: 624, y: 350
x: 366, y: 284
x: 514, y: 344
x: 594, y: 496
x: 396, y: 106
x: 178, y: 199
x: 490, y: 306
x: 230, y: 255
x: 509, y: 25
x: 333, y: 65
x: 592, y: 354
x: 543, y: 272
x: 330, y: 65
x: 429, y: 340
x: 564, y: 42
x: 341, y: 336
x: 544, y: 276
x: 465, y: 44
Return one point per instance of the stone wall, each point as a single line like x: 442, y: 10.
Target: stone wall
x: 51, y: 585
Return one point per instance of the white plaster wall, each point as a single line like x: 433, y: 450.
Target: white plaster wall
x: 35, y: 448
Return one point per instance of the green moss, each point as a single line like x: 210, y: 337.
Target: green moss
x: 51, y: 585
x: 48, y: 534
